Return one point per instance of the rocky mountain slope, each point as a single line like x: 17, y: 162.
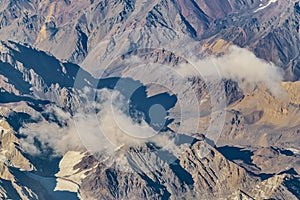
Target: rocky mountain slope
x: 86, y: 28
x: 52, y: 54
x: 149, y: 173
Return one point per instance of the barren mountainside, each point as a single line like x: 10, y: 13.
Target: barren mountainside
x: 158, y: 99
x: 82, y: 26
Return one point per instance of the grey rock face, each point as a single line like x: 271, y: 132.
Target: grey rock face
x: 41, y: 41
x: 80, y: 27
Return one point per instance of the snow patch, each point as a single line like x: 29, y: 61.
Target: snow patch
x: 66, y: 185
x: 68, y: 179
x: 261, y: 6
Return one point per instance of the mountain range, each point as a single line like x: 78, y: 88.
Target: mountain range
x: 140, y: 70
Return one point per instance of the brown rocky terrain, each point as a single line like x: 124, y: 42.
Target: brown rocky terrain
x: 83, y: 28
x: 52, y: 52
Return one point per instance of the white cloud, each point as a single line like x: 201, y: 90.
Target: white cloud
x: 110, y: 128
x: 50, y: 134
x: 237, y: 64
x: 101, y: 132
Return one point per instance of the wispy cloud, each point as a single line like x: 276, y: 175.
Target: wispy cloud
x: 98, y: 132
x: 110, y: 127
x: 238, y: 64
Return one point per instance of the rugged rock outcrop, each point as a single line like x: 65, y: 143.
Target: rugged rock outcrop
x: 88, y: 29
x: 257, y: 155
